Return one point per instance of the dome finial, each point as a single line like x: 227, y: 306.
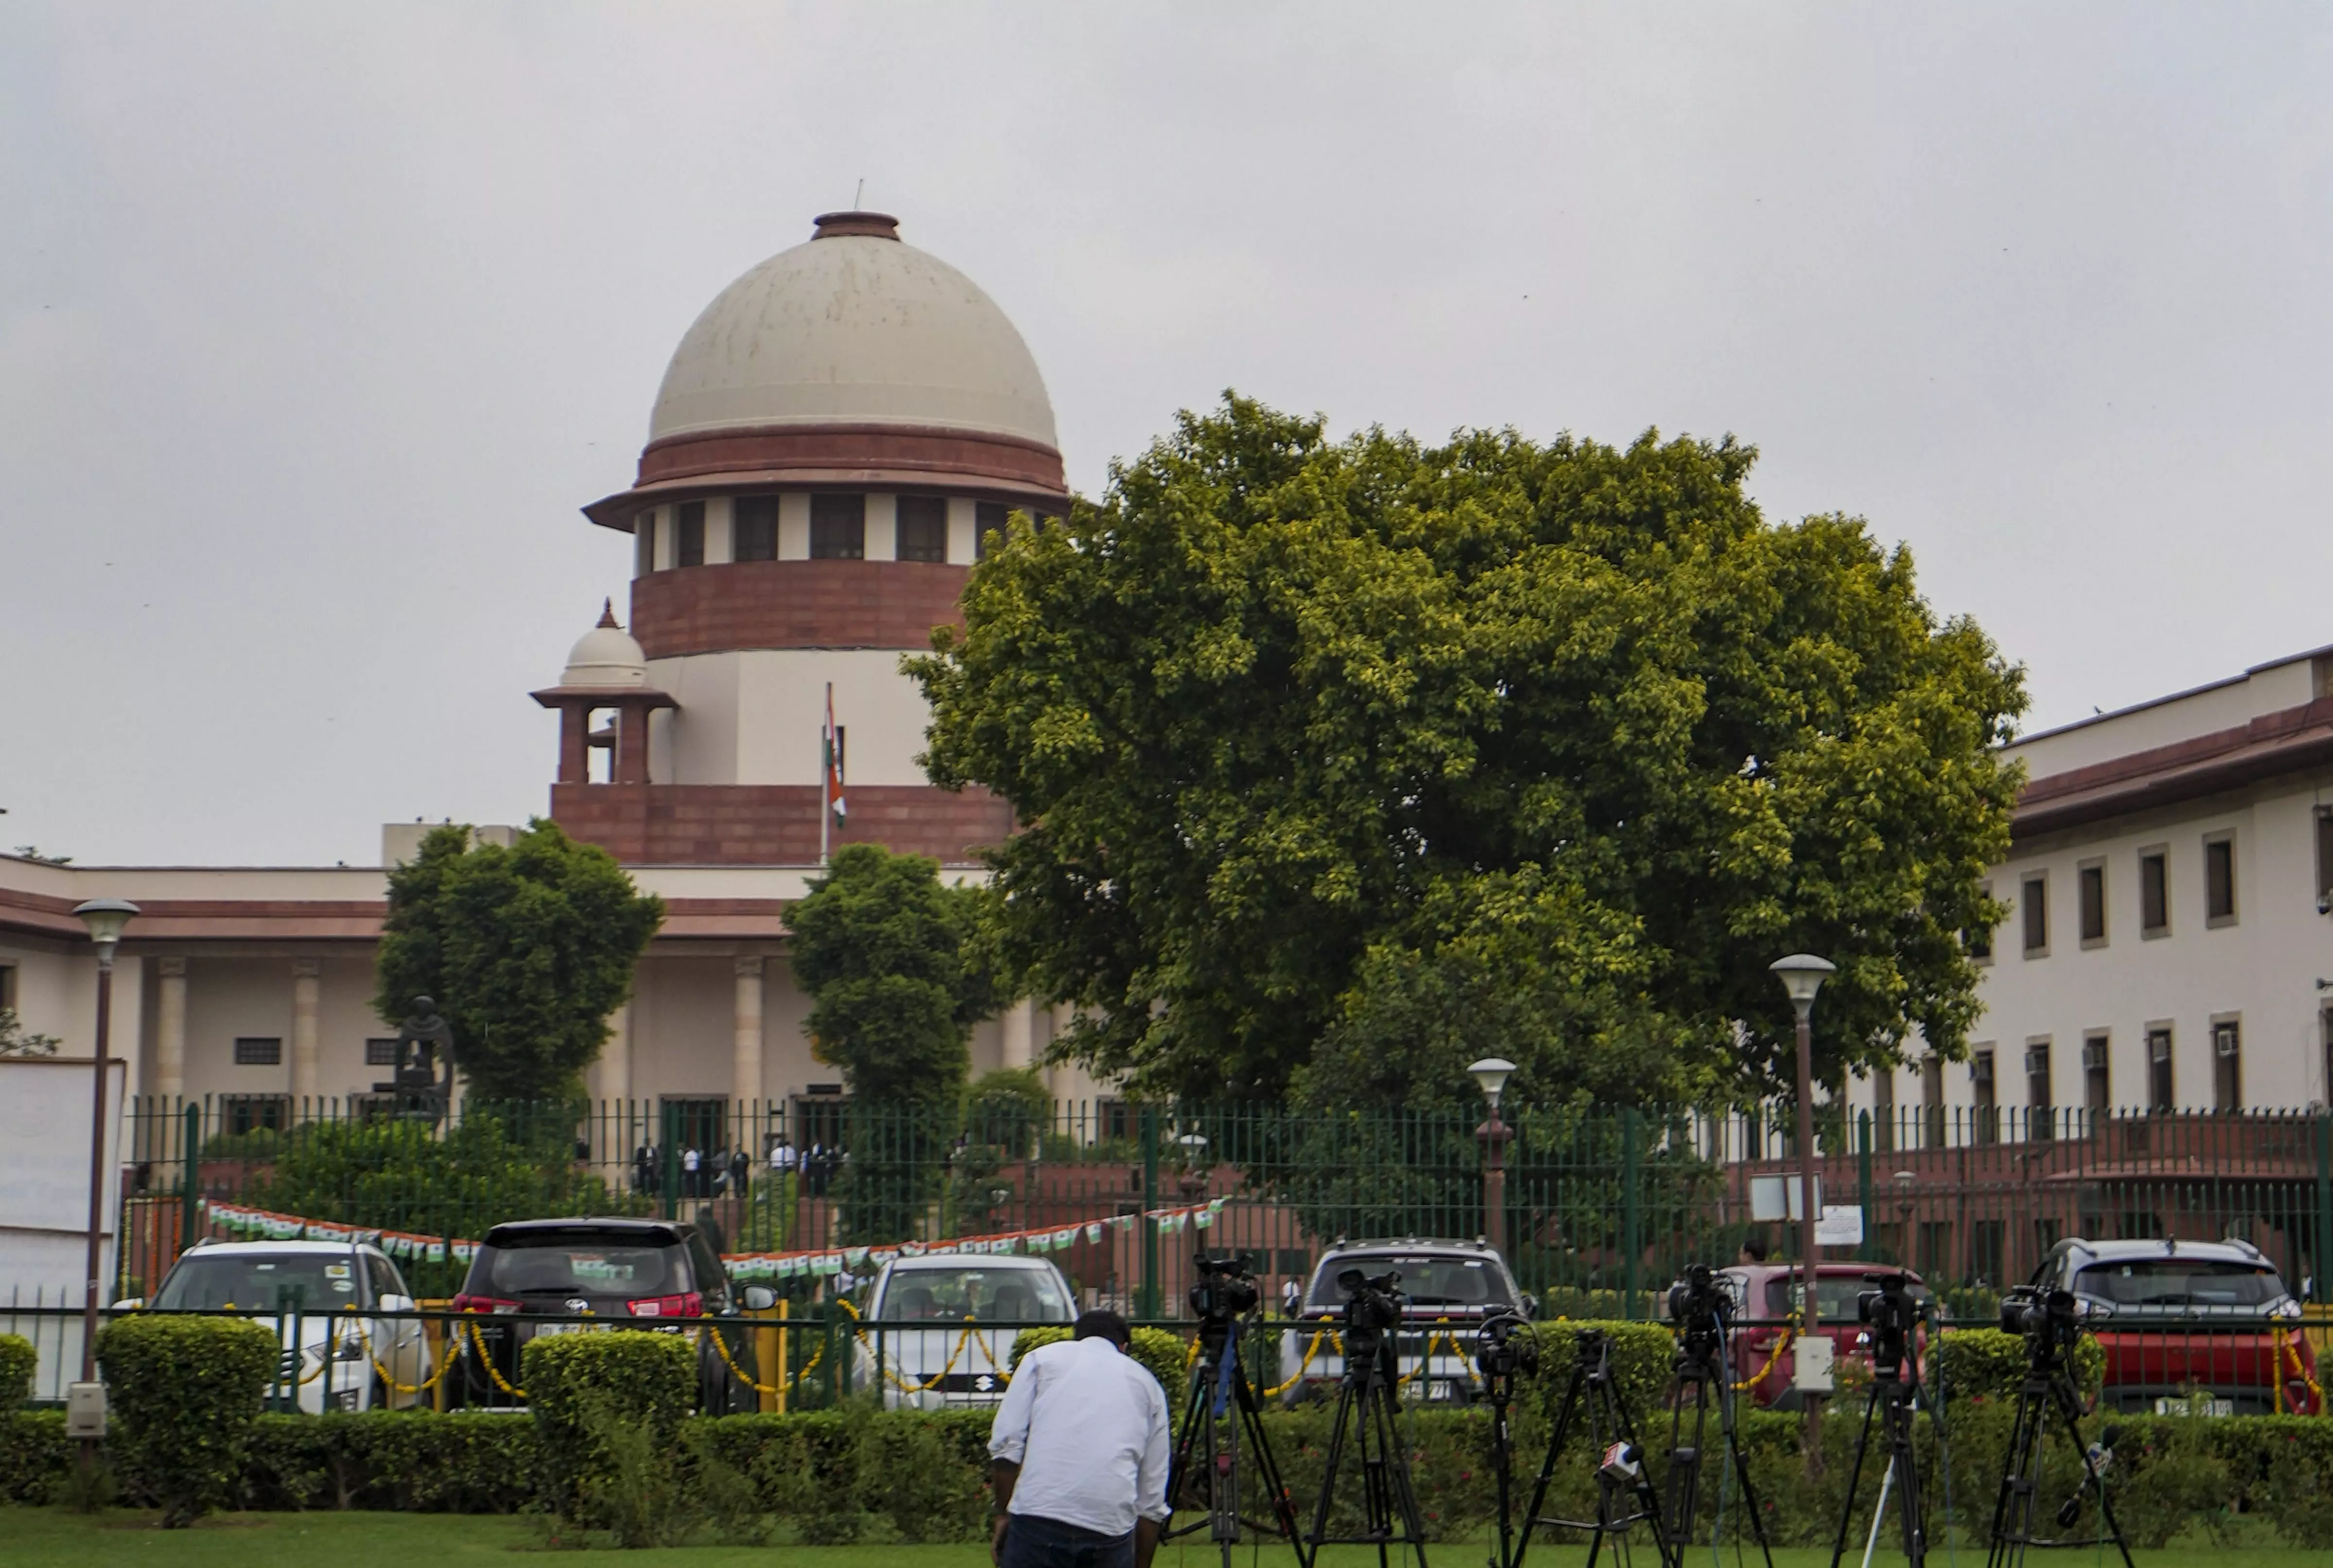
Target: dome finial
x: 844, y: 225
x: 608, y: 611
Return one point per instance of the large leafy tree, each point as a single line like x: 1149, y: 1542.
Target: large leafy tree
x: 1343, y: 762
x: 525, y: 950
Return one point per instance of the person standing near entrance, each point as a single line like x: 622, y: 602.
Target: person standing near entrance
x: 1079, y: 1454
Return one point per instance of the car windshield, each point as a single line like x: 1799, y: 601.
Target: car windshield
x: 993, y: 1296
x: 211, y: 1281
x: 1835, y: 1297
x: 569, y: 1262
x: 2180, y: 1282
x: 1426, y: 1280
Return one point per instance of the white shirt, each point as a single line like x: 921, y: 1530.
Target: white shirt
x: 1087, y: 1424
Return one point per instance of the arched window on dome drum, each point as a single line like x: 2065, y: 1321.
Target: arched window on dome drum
x: 688, y: 548
x: 755, y: 529
x: 988, y: 518
x: 923, y: 528
x: 838, y: 527
x: 644, y: 543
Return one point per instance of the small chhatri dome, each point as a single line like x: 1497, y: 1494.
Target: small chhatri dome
x: 853, y: 329
x: 606, y: 656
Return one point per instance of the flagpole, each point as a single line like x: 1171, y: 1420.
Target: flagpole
x: 825, y: 773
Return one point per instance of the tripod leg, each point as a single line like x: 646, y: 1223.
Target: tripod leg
x: 1854, y: 1477
x: 1563, y: 1415
x: 1685, y: 1459
x: 1741, y: 1470
x: 1267, y: 1468
x: 1179, y: 1468
x: 1646, y: 1500
x: 1907, y: 1465
x: 2013, y: 1506
x: 2069, y: 1407
x: 1328, y: 1470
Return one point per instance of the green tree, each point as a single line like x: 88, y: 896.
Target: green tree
x: 16, y: 1040
x: 525, y: 950
x: 898, y: 971
x: 1340, y: 763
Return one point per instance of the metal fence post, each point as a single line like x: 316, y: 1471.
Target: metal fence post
x: 191, y: 1153
x: 1631, y: 1198
x: 2322, y: 1265
x: 1863, y: 1179
x: 1147, y: 1300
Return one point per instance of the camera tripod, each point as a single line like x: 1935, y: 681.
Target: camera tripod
x: 1206, y: 1471
x: 1705, y: 1372
x: 2048, y: 1385
x: 1619, y: 1471
x: 1895, y: 1396
x: 1367, y: 1400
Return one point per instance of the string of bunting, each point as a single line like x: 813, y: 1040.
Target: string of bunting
x: 245, y: 1220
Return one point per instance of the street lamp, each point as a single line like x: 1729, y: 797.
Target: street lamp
x: 1802, y: 974
x: 105, y: 918
x: 1491, y: 1074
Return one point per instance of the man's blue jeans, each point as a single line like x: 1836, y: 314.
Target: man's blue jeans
x: 1034, y: 1543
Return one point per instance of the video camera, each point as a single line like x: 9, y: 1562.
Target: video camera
x: 2050, y: 1322
x: 1504, y: 1347
x: 1373, y: 1304
x: 1892, y: 1314
x: 1698, y: 1299
x: 1225, y: 1289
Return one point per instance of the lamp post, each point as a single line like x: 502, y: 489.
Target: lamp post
x: 1802, y: 974
x: 1491, y: 1074
x: 105, y: 918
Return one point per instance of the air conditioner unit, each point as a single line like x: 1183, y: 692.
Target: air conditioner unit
x: 2094, y: 1055
x: 1980, y: 1070
x: 2158, y: 1047
x: 2223, y: 1040
x: 2037, y: 1059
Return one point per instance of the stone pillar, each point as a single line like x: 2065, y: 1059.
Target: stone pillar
x: 746, y: 1055
x: 171, y: 1028
x: 631, y: 761
x: 614, y: 1069
x: 307, y: 992
x: 574, y: 741
x: 1018, y: 1026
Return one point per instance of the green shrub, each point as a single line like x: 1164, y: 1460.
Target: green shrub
x: 183, y: 1392
x: 34, y: 1457
x: 1167, y: 1355
x: 17, y: 1362
x: 1990, y: 1364
x: 584, y: 1387
x: 1642, y: 1358
x: 411, y: 1461
x: 1028, y: 1339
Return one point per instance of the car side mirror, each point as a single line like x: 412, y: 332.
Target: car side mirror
x: 760, y: 1298
x: 1531, y: 1305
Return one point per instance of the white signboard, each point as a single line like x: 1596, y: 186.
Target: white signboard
x: 1839, y: 1225
x: 45, y: 1113
x: 1774, y: 1198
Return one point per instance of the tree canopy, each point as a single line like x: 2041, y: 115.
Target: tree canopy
x: 525, y: 950
x: 1341, y: 763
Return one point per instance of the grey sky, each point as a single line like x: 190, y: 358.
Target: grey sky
x: 317, y: 324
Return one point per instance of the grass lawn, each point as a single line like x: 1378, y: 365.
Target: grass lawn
x: 50, y: 1538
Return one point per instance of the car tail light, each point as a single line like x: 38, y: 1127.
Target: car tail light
x: 466, y: 1303
x: 691, y: 1305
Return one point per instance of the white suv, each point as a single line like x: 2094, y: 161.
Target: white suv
x: 1448, y: 1288
x: 323, y: 1299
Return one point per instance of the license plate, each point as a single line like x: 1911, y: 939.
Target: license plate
x: 2198, y: 1406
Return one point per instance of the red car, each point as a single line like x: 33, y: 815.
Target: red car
x: 1764, y: 1294
x: 2190, y: 1327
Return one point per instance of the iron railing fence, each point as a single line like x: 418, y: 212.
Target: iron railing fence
x: 1603, y: 1207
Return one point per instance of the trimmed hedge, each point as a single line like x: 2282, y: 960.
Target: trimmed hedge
x: 185, y: 1396
x: 18, y: 1361
x: 581, y: 1386
x: 1167, y: 1355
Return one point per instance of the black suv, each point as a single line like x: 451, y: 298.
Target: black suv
x: 638, y: 1272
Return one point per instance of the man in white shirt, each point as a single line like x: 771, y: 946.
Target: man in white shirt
x: 1078, y: 1453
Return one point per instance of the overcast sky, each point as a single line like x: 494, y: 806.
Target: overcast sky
x: 318, y: 323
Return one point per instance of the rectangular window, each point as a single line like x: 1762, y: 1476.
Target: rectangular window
x: 1987, y: 1115
x: 988, y: 518
x: 1932, y: 1101
x: 2162, y: 1092
x: 1987, y: 1238
x: 2227, y: 1064
x: 2036, y: 901
x: 2041, y: 1104
x: 1979, y: 941
x: 1883, y: 1111
x: 644, y: 544
x: 753, y: 528
x: 923, y: 528
x: 257, y: 1051
x: 2153, y: 892
x: 381, y: 1053
x: 2093, y: 890
x: 688, y: 548
x: 838, y: 527
x: 2324, y: 860
x: 8, y: 986
x: 2220, y: 880
x: 255, y: 1112
x: 2097, y: 1081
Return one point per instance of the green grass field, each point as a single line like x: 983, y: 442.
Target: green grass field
x: 50, y: 1538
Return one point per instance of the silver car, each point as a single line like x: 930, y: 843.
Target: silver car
x: 1448, y: 1288
x: 944, y: 1326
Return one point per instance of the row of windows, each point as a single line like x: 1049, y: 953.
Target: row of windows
x: 838, y: 530
x: 2153, y: 868
x: 267, y: 1051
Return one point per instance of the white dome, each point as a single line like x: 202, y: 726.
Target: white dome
x: 605, y: 656
x: 853, y: 328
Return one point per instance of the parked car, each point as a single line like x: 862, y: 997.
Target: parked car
x: 324, y: 1299
x: 959, y: 1361
x: 2199, y: 1327
x: 555, y: 1276
x: 1448, y: 1288
x: 1766, y: 1294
